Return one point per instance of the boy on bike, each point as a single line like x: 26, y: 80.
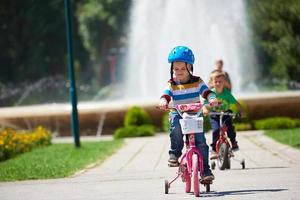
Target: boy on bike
x: 227, y: 100
x: 184, y: 88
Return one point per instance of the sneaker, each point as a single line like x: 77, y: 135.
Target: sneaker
x: 207, y: 177
x: 173, y: 159
x: 213, y: 155
x: 235, y: 146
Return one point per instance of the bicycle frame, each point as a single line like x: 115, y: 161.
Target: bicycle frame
x: 185, y: 169
x: 223, y: 136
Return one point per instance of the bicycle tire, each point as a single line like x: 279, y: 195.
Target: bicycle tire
x: 187, y: 181
x: 195, y: 175
x: 223, y: 156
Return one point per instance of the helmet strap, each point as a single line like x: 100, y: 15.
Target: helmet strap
x: 171, y: 72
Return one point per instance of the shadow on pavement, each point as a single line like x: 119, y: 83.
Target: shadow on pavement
x: 278, y: 167
x: 239, y: 192
x: 253, y: 168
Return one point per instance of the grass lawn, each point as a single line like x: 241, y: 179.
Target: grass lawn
x: 56, y: 160
x: 288, y: 136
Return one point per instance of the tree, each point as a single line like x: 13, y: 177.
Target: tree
x: 276, y: 27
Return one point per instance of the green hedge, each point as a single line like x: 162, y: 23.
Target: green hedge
x: 134, y: 131
x: 137, y: 123
x: 276, y: 123
x: 243, y: 126
x: 136, y: 116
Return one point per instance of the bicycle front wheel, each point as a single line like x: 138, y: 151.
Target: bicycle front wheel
x: 195, y: 175
x: 223, y: 158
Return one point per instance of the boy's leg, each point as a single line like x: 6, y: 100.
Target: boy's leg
x: 214, y: 122
x: 203, y: 148
x: 231, y: 134
x: 176, y: 136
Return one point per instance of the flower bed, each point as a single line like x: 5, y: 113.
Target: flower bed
x: 13, y: 142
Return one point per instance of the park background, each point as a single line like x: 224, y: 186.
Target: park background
x: 120, y: 58
x: 120, y: 61
x: 34, y: 53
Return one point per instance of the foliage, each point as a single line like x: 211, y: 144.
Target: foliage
x: 14, y: 142
x: 33, y: 39
x: 243, y: 126
x: 101, y: 23
x: 277, y: 36
x: 166, y: 122
x: 137, y: 123
x: 57, y: 160
x: 206, y: 124
x: 136, y: 116
x: 290, y: 136
x: 276, y: 123
x: 135, y: 131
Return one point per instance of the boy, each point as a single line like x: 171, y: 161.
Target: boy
x: 219, y: 67
x: 227, y: 100
x: 185, y: 88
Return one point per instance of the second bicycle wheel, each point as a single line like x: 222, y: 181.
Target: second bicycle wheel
x: 223, y: 158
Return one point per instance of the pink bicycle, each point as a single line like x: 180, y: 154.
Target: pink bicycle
x: 191, y: 163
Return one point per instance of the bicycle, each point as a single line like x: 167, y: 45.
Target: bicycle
x: 223, y: 145
x: 191, y: 163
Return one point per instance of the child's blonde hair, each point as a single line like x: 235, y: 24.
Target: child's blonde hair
x: 217, y: 74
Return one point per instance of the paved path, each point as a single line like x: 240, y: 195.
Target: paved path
x: 138, y: 171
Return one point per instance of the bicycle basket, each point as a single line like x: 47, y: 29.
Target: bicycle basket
x: 189, y: 126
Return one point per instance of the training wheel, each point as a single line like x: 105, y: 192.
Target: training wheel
x: 166, y: 187
x: 213, y: 165
x: 243, y: 164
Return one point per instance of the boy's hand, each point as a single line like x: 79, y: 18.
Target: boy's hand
x: 205, y: 110
x: 214, y: 103
x: 163, y: 104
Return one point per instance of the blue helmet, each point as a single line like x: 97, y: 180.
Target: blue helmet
x: 183, y: 54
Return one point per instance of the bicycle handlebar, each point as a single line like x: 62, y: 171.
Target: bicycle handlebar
x: 183, y: 108
x: 233, y: 115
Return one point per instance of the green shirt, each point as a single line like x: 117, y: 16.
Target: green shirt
x: 226, y: 98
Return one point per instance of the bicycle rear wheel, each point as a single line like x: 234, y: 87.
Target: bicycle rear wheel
x: 195, y: 175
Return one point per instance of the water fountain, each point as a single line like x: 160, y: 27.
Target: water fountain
x: 212, y: 30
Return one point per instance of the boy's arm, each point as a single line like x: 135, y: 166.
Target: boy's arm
x: 165, y: 98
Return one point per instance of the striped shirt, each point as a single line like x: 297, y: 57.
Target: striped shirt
x: 188, y: 92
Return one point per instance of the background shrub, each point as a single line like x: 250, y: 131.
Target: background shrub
x: 136, y: 116
x: 137, y: 123
x: 134, y: 131
x: 243, y: 126
x: 276, y: 123
x: 166, y: 122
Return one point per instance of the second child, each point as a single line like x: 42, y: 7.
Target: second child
x: 227, y: 100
